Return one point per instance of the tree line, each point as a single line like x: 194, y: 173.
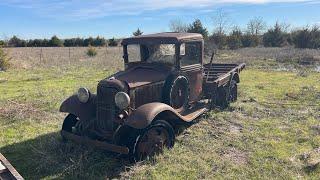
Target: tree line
x: 255, y: 34
x: 54, y: 41
x: 224, y: 36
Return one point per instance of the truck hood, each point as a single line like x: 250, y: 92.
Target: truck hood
x: 142, y: 75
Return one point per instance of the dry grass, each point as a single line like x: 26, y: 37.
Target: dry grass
x: 28, y: 58
x: 272, y: 58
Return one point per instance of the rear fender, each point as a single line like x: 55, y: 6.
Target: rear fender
x: 85, y: 111
x: 145, y: 114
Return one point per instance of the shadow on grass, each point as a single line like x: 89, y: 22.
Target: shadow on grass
x: 47, y: 156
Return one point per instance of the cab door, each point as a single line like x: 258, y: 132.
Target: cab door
x: 191, y: 66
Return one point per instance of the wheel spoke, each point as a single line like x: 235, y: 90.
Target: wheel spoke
x: 152, y: 142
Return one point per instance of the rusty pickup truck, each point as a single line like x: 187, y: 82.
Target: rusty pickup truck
x: 164, y: 84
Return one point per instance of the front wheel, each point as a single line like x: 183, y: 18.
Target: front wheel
x: 69, y: 122
x: 153, y: 140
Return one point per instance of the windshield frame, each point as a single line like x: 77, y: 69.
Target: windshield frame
x: 176, y: 54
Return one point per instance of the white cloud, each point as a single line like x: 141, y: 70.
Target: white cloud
x: 79, y: 9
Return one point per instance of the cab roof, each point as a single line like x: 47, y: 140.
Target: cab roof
x: 163, y: 38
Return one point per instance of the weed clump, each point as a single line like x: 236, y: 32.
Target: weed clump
x: 91, y: 52
x: 4, y: 60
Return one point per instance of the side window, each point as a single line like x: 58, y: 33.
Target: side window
x: 134, y: 53
x: 190, y: 53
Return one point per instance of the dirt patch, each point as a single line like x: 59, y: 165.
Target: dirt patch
x: 311, y: 160
x: 15, y: 110
x: 236, y: 156
x: 3, y: 80
x: 235, y: 128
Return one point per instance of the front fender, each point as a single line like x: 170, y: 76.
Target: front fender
x: 145, y: 114
x: 85, y: 111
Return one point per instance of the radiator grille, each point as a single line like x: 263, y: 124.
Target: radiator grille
x: 106, y: 109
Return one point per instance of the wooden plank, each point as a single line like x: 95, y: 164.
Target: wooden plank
x: 11, y: 172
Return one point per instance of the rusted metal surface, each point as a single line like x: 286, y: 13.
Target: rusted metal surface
x: 146, y: 94
x: 106, y: 108
x: 149, y: 84
x: 152, y: 142
x: 219, y: 73
x: 7, y: 171
x: 195, y: 76
x: 84, y: 111
x: 146, y: 113
x: 95, y: 143
x: 164, y: 38
x: 143, y: 75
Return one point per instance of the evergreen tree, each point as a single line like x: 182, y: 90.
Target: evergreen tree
x: 196, y: 27
x: 138, y: 32
x: 55, y: 42
x: 275, y: 37
x: 112, y: 42
x: 234, y: 39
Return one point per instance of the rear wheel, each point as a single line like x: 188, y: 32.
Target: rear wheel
x: 233, y: 95
x: 222, y: 101
x: 153, y: 140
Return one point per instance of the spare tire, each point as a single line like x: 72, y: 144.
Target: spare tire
x: 176, y: 92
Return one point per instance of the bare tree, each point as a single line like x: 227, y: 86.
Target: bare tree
x: 285, y: 27
x: 221, y: 22
x: 177, y: 25
x: 256, y: 26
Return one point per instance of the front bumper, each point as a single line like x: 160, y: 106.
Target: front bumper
x: 98, y: 144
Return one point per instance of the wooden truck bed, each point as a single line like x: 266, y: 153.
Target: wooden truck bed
x: 217, y: 75
x: 220, y: 73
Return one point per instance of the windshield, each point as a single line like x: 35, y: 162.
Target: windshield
x: 159, y: 53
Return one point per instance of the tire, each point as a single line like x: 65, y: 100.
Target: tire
x: 70, y: 121
x: 176, y: 92
x: 222, y: 101
x: 233, y: 95
x: 148, y: 143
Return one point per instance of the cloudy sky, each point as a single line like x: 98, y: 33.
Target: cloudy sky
x: 71, y: 18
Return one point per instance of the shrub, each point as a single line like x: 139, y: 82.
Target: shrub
x: 249, y: 40
x: 4, y: 60
x: 220, y: 40
x: 88, y: 41
x: 55, y: 42
x: 2, y: 43
x: 91, y: 51
x: 112, y: 42
x: 275, y: 37
x: 16, y: 42
x: 234, y: 39
x: 307, y: 38
x: 98, y: 41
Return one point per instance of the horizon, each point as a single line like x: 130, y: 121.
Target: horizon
x: 31, y: 19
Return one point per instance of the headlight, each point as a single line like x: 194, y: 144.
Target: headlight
x: 83, y: 95
x: 122, y: 100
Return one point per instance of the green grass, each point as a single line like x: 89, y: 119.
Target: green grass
x: 261, y: 136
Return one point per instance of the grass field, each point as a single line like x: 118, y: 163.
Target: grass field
x: 272, y: 131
